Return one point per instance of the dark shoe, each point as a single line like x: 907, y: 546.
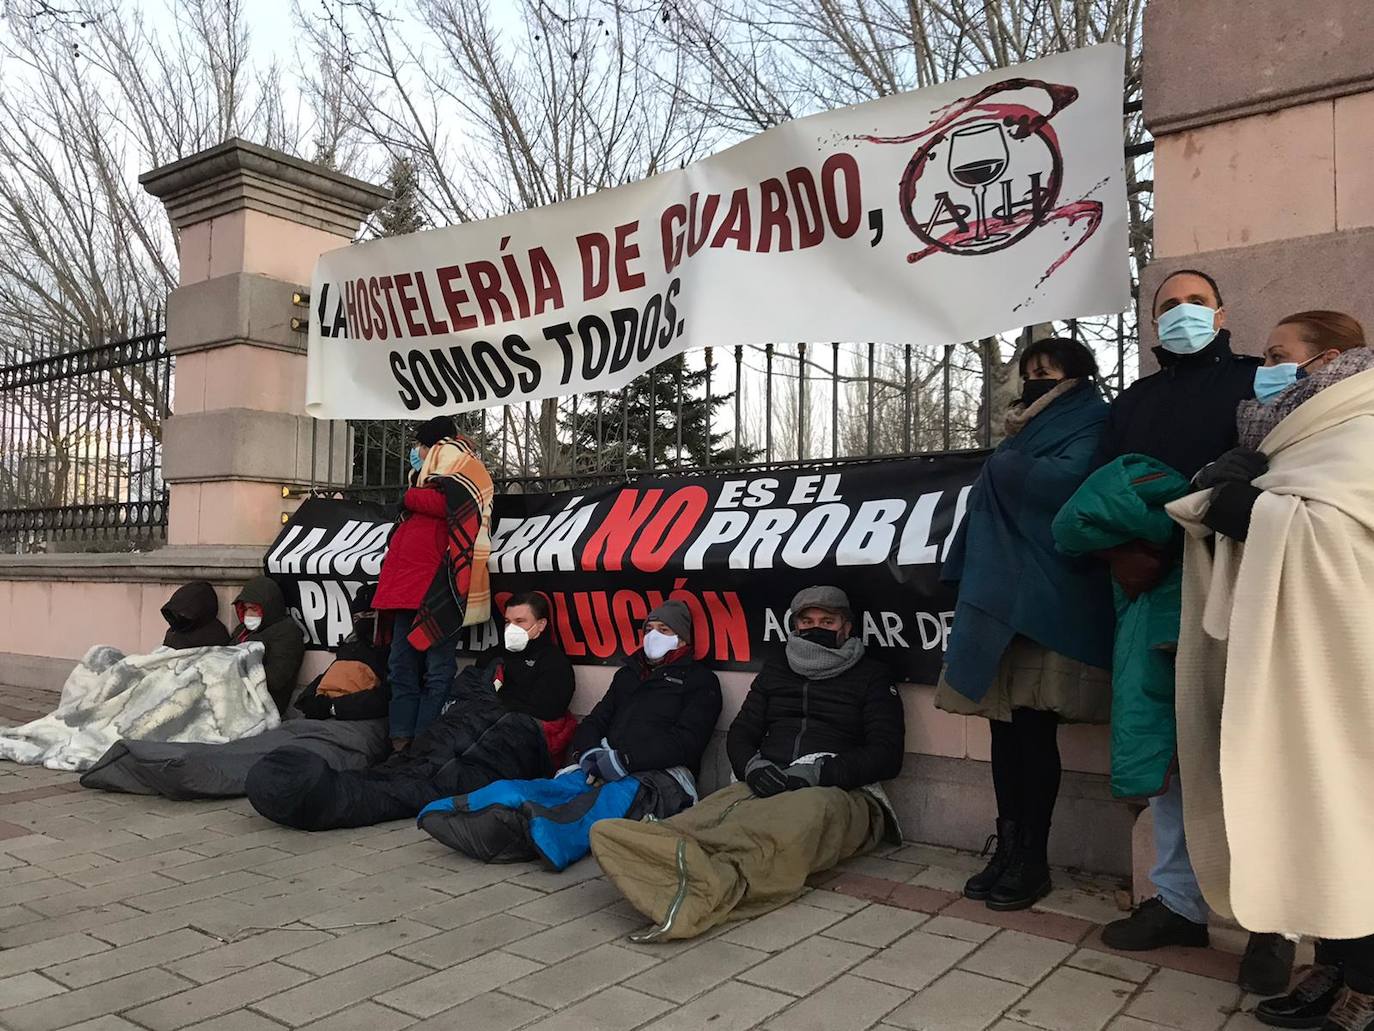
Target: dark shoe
x: 1354, y: 1011
x: 1024, y: 882
x: 1267, y: 967
x: 1306, y: 1005
x: 1000, y: 845
x: 1152, y: 926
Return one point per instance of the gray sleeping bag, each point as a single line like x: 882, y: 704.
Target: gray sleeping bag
x: 182, y: 771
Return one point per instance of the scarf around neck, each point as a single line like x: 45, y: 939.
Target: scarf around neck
x: 1255, y: 420
x: 1018, y: 415
x: 817, y: 662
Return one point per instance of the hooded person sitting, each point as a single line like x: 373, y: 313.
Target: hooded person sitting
x: 637, y: 755
x: 262, y: 615
x: 354, y: 687
x: 192, y: 615
x: 821, y: 726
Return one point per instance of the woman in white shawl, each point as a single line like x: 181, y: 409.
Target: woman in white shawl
x: 1275, y: 665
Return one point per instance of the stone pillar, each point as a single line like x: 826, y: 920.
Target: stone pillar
x: 250, y: 223
x: 1263, y: 117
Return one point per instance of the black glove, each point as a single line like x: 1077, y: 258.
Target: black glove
x: 314, y: 706
x: 1239, y: 465
x: 1232, y: 506
x: 764, y: 778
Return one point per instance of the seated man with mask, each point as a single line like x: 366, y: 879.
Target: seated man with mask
x: 637, y: 754
x: 821, y: 726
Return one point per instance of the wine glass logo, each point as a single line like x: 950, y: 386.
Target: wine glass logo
x: 977, y: 158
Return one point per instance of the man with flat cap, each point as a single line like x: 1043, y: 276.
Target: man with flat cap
x: 821, y: 726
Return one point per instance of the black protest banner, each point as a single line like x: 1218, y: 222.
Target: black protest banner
x: 734, y: 548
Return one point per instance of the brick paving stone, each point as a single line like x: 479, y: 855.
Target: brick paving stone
x: 850, y: 1002
x: 957, y: 927
x: 574, y: 979
x: 374, y: 907
x: 477, y: 905
x: 807, y: 965
x: 775, y: 931
x: 823, y: 898
x: 1031, y: 921
x: 490, y: 1011
x: 106, y: 1023
x: 555, y: 880
x: 934, y: 855
x: 1222, y: 966
x: 1096, y: 905
x: 614, y: 1009
x: 1110, y: 965
x: 141, y: 848
x: 249, y: 859
x: 211, y: 916
x: 112, y: 996
x: 959, y: 1001
x: 449, y: 948
x: 923, y: 900
x: 15, y: 916
x: 441, y: 991
x: 558, y: 943
x: 223, y: 960
x: 325, y: 954
x: 941, y: 879
x: 364, y: 1016
x: 876, y: 925
x: 1185, y: 1001
x: 570, y: 903
x: 153, y: 952
x: 217, y: 997
x: 914, y: 961
x: 730, y: 1007
x: 1020, y: 958
x: 28, y: 892
x: 1133, y: 1024
x: 690, y: 973
x: 48, y: 953
x: 237, y: 1020
x: 12, y: 830
x: 341, y: 856
x: 888, y: 869
x: 82, y: 920
x: 182, y: 894
x: 123, y: 889
x: 321, y: 996
x: 861, y: 886
x: 30, y: 986
x: 1073, y: 1000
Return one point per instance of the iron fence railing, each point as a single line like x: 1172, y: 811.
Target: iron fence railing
x: 81, y: 445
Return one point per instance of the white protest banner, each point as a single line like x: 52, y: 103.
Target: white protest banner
x: 944, y: 214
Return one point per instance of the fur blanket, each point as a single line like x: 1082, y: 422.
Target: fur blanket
x: 1275, y: 660
x: 209, y: 695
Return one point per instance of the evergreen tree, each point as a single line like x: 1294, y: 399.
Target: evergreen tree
x: 652, y: 400
x: 403, y: 213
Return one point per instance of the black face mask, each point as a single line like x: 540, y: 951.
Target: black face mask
x: 820, y: 635
x: 1035, y: 389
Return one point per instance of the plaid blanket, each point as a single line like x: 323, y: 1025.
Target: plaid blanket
x: 460, y: 594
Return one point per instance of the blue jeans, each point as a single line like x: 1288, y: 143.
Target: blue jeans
x: 1172, y: 874
x: 420, y: 681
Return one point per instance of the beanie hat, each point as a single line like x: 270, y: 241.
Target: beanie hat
x: 676, y: 616
x: 434, y: 430
x: 832, y: 599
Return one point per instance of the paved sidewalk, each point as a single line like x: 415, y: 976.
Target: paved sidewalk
x: 121, y: 912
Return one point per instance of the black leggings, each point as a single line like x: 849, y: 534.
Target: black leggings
x: 1025, y: 768
x: 1355, y: 955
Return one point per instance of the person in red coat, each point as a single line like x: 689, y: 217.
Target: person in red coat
x: 420, y: 680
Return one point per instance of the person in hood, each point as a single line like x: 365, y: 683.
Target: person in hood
x: 262, y: 616
x: 1184, y: 416
x: 1031, y: 644
x: 354, y: 687
x: 192, y: 615
x: 821, y: 726
x: 637, y: 754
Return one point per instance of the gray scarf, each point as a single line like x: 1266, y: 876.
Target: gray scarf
x: 817, y: 662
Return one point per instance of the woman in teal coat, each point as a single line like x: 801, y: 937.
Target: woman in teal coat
x: 1032, y: 636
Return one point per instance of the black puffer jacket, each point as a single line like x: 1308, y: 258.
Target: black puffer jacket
x: 192, y: 617
x: 656, y: 717
x: 282, y: 640
x: 474, y: 742
x: 857, y: 715
x: 1184, y: 414
x: 538, y: 681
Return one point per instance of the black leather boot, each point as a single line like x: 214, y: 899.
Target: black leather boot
x: 1308, y: 1003
x: 1000, y: 845
x: 1026, y: 879
x: 1267, y: 966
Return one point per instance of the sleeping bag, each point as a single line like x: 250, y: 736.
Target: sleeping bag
x: 513, y: 821
x: 474, y: 742
x: 186, y: 770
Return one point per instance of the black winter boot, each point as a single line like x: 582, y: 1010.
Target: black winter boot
x: 1000, y: 845
x: 1267, y: 966
x: 1026, y: 879
x: 1308, y: 1004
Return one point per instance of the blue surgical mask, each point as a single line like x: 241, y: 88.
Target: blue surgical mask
x: 1273, y: 380
x: 415, y: 460
x: 1187, y: 328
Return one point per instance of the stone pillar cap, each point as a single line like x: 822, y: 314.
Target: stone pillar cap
x: 238, y: 175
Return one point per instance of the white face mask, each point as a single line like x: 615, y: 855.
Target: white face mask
x: 658, y: 644
x: 516, y: 637
x: 251, y: 623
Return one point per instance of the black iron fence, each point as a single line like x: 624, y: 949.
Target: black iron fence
x: 740, y: 408
x: 81, y: 445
